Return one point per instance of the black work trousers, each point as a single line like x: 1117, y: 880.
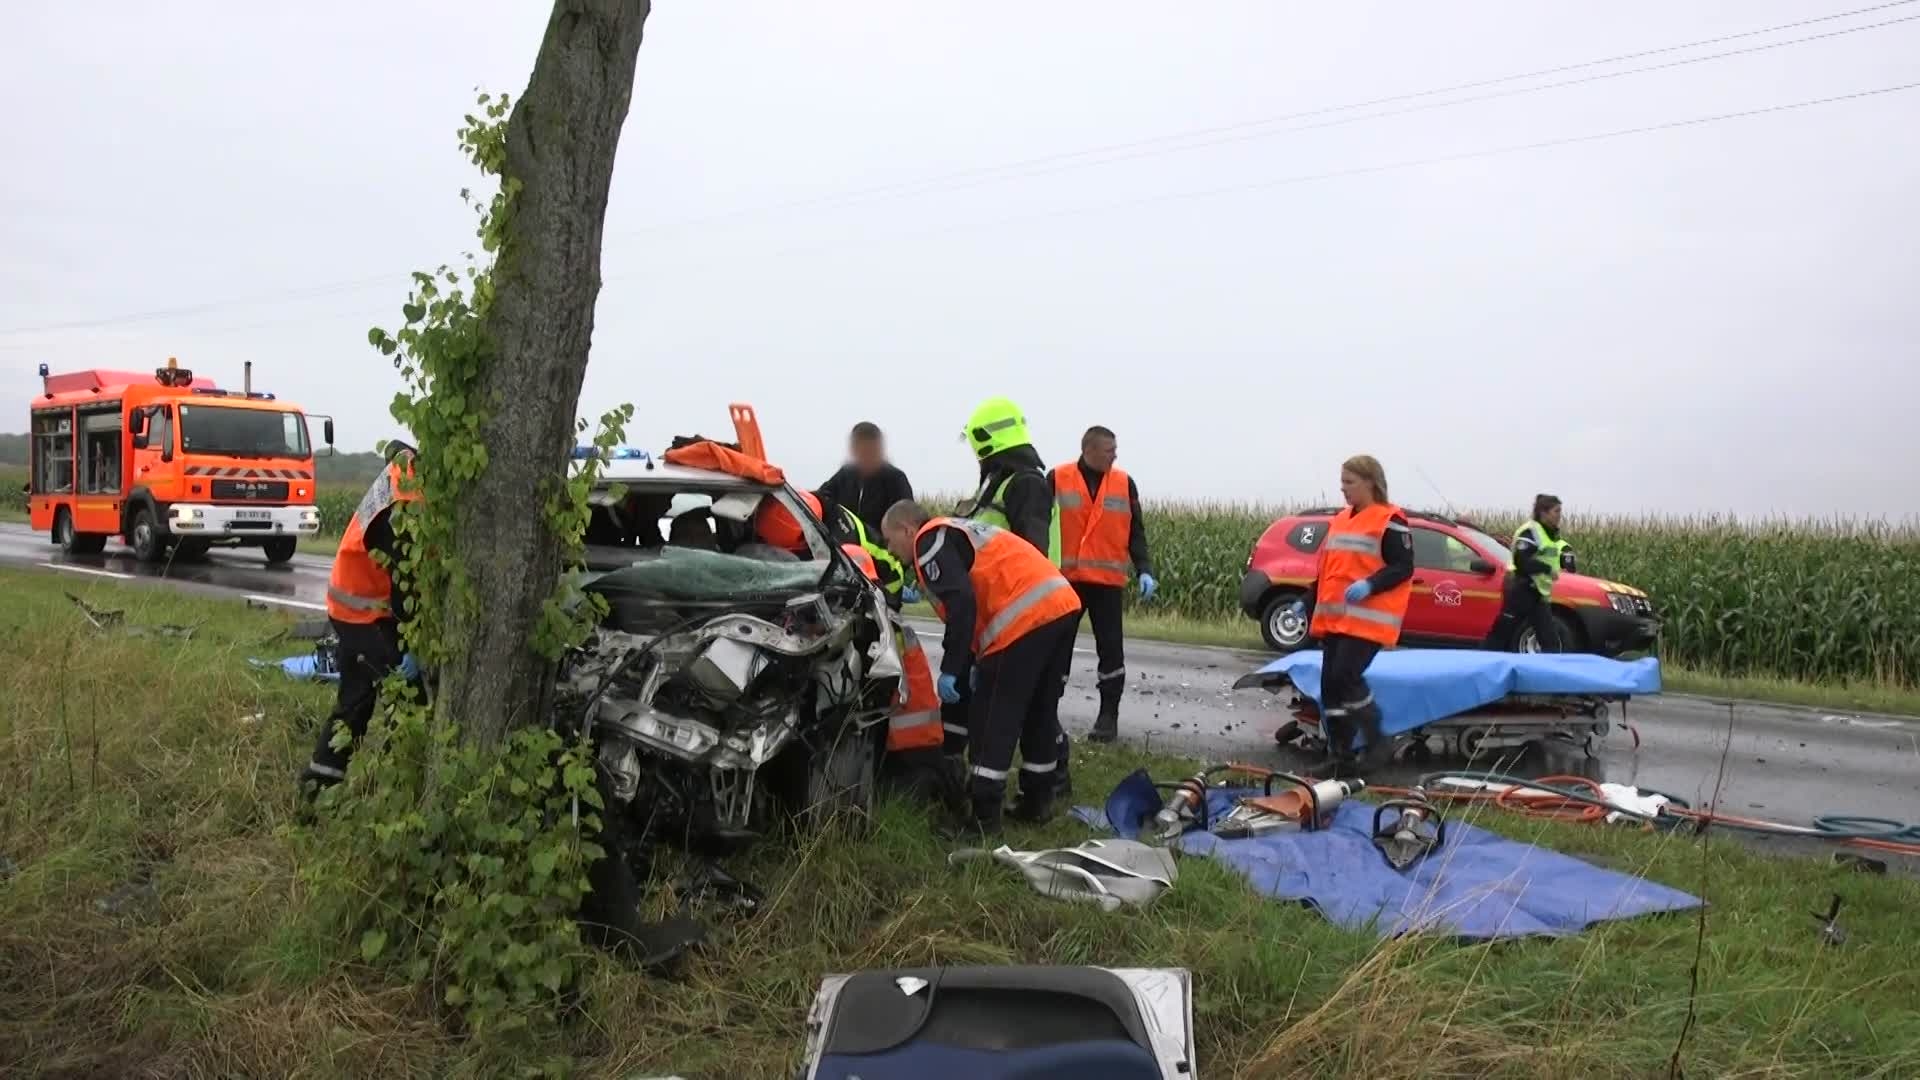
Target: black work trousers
x: 1102, y: 604
x: 1017, y: 705
x: 1346, y: 699
x: 1524, y: 607
x: 368, y: 654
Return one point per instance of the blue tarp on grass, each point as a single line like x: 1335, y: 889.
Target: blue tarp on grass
x: 300, y: 667
x: 1478, y: 886
x: 1415, y: 687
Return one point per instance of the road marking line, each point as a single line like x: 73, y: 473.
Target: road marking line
x: 87, y: 570
x: 302, y: 604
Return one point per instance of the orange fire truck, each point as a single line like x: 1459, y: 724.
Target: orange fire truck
x: 169, y: 463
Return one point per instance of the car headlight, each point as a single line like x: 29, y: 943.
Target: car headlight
x: 1622, y: 603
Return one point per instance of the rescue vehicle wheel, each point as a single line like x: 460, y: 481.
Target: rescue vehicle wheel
x: 280, y: 549
x: 1284, y: 631
x: 148, y: 542
x: 75, y: 543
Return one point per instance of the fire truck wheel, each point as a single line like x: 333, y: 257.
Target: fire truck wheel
x: 76, y: 543
x: 148, y: 542
x: 280, y: 550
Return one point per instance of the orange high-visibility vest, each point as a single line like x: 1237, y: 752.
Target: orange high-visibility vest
x: 915, y: 723
x: 1094, y: 526
x: 1351, y: 552
x: 1016, y: 588
x: 359, y: 588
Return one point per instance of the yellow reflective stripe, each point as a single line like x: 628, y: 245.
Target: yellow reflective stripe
x: 1365, y: 545
x: 1069, y: 500
x: 1364, y: 614
x: 1119, y: 504
x: 358, y: 603
x: 999, y: 623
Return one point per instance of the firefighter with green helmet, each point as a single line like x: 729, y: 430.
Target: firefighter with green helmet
x: 1015, y: 495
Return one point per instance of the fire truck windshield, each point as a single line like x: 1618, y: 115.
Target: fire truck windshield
x: 215, y: 429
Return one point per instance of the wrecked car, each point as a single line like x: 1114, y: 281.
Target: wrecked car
x: 733, y: 685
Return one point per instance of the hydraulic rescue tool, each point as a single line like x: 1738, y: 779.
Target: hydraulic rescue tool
x: 1415, y: 831
x: 1306, y: 806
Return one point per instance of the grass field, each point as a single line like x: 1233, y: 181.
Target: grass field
x: 131, y: 757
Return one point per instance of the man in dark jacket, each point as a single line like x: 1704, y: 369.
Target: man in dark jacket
x: 868, y: 483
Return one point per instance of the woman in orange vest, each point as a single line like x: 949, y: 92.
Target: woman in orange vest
x: 1358, y: 600
x: 364, y: 602
x: 1010, y: 620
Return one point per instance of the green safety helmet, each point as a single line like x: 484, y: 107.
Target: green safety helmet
x: 995, y: 426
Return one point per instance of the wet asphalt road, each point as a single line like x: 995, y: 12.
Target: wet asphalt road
x: 1785, y: 764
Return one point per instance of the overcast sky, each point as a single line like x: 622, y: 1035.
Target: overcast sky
x: 807, y: 215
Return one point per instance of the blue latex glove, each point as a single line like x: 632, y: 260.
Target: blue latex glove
x: 1359, y: 591
x: 409, y: 668
x: 1148, y: 586
x: 948, y: 688
x: 909, y: 594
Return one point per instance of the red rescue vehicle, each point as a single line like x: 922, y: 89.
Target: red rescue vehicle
x: 169, y: 463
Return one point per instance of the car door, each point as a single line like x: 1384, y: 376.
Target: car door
x: 1456, y: 592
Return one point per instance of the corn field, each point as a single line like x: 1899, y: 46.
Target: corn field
x: 1817, y: 600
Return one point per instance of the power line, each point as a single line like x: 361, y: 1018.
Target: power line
x: 859, y: 194
x: 930, y: 184
x: 1426, y: 107
x: 1286, y: 181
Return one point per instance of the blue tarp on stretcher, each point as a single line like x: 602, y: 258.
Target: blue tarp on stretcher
x: 1478, y: 886
x: 1415, y: 687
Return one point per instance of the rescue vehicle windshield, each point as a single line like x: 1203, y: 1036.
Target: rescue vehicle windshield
x: 1487, y: 543
x: 230, y: 432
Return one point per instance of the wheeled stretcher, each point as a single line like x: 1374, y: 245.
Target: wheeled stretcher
x: 1470, y: 703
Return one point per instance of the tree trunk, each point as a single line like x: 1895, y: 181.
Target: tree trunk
x: 561, y: 140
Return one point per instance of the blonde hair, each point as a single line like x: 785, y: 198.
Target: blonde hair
x: 1368, y: 468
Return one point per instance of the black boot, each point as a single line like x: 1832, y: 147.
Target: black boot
x: 979, y: 824
x: 1034, y: 805
x: 1379, y: 749
x: 1339, y: 739
x: 1106, y: 725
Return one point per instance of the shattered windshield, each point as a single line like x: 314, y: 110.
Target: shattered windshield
x: 691, y: 575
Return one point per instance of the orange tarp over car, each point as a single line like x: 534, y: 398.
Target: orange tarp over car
x: 711, y: 455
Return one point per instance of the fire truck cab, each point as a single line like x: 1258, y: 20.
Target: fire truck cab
x: 170, y: 463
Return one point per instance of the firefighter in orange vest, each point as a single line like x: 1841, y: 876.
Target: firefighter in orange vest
x: 1010, y: 620
x: 1102, y: 537
x: 364, y: 604
x: 914, y: 761
x: 1358, y: 600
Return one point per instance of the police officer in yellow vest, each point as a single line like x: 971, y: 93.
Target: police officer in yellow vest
x: 365, y: 601
x: 1539, y: 555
